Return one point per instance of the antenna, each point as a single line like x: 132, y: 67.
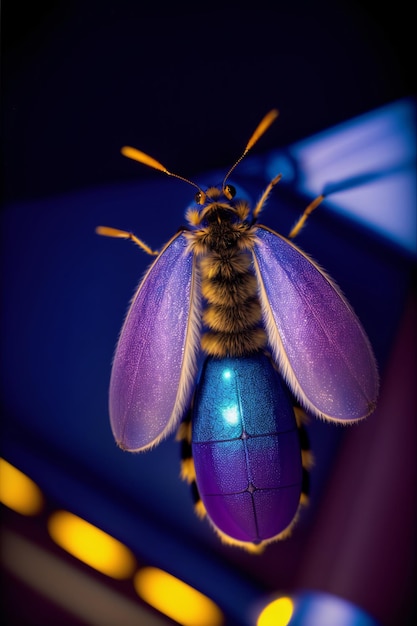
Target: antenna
x: 141, y: 157
x: 259, y: 131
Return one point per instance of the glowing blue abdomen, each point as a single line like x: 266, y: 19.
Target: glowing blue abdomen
x: 246, y: 448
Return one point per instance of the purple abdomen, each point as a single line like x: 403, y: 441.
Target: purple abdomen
x: 246, y: 448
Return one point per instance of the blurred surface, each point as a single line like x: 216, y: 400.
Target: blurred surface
x: 185, y: 84
x: 81, y: 80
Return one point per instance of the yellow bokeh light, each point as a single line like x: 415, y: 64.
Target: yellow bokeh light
x: 176, y: 599
x: 276, y: 613
x: 18, y: 491
x: 91, y: 545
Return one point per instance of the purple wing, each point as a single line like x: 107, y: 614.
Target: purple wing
x: 316, y: 339
x: 155, y: 361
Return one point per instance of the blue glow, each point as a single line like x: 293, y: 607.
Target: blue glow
x: 312, y: 608
x: 367, y: 166
x: 231, y: 414
x: 227, y: 374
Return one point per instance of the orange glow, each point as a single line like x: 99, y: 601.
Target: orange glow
x: 276, y: 613
x: 18, y: 491
x: 176, y: 599
x: 91, y: 545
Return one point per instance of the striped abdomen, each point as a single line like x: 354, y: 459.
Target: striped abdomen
x: 233, y: 312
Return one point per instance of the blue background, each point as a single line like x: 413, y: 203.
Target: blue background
x: 188, y: 86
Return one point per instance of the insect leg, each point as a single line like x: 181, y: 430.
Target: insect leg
x: 264, y: 196
x: 187, y: 464
x: 307, y: 459
x: 108, y: 231
x: 300, y: 223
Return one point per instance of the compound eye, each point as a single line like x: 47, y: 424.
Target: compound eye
x: 200, y: 197
x: 229, y: 191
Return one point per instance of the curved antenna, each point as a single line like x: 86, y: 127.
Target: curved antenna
x: 141, y: 157
x: 259, y: 131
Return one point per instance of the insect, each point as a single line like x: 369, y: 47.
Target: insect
x: 234, y: 333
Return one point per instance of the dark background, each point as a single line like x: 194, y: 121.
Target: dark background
x: 188, y: 85
x: 185, y: 83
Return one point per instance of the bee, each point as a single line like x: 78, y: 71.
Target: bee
x: 233, y: 335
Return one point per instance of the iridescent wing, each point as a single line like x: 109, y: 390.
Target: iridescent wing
x: 154, y: 365
x: 315, y: 337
